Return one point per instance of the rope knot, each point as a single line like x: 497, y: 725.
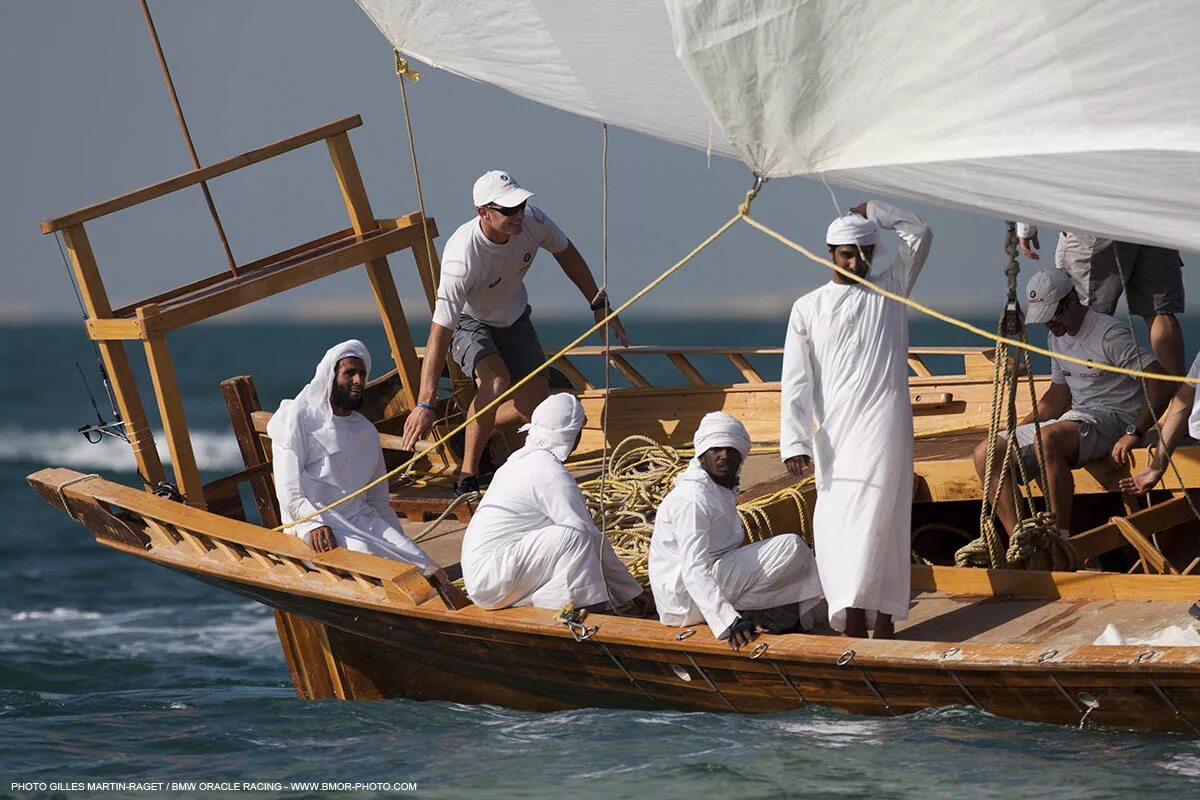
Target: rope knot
x: 403, y: 70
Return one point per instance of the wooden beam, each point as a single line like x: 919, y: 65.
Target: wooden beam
x: 346, y: 236
x: 170, y: 409
x: 391, y: 310
x: 116, y: 361
x: 631, y: 374
x: 200, y: 175
x: 241, y: 401
x: 248, y: 289
x: 745, y: 367
x: 568, y: 368
x: 687, y: 368
x: 429, y: 266
x: 917, y: 365
x: 109, y: 330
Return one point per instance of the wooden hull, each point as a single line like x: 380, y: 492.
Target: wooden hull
x: 358, y: 627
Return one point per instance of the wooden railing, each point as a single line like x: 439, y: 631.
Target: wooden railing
x: 367, y: 242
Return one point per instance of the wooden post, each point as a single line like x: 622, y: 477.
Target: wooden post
x: 116, y: 361
x: 241, y: 400
x: 391, y: 310
x: 362, y: 219
x: 170, y: 407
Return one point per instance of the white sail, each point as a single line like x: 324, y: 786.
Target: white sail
x: 1078, y: 113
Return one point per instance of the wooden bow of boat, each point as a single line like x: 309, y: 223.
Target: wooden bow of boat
x: 355, y: 626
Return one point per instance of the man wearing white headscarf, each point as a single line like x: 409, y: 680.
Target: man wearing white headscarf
x: 323, y: 449
x: 532, y: 541
x: 845, y: 373
x: 699, y: 570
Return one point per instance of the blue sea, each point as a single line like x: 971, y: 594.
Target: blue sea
x: 115, y: 671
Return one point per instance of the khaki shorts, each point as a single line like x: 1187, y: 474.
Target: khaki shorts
x: 1153, y: 275
x: 517, y: 345
x: 1098, y: 432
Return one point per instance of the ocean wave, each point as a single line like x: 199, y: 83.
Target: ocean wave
x: 56, y: 615
x: 217, y: 451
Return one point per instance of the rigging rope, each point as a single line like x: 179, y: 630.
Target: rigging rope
x: 712, y: 237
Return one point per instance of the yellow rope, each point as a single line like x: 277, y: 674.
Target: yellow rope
x: 518, y: 384
x: 1135, y: 373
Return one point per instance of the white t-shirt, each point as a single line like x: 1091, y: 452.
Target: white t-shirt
x: 1103, y: 340
x: 486, y: 280
x: 1194, y: 419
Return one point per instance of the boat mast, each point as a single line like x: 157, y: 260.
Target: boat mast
x: 187, y: 137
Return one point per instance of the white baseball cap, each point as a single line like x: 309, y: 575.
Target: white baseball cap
x: 1044, y: 291
x: 498, y: 187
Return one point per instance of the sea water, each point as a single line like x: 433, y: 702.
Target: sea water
x: 119, y: 678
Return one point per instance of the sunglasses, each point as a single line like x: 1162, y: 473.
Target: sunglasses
x: 508, y: 212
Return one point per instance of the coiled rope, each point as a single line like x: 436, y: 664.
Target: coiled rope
x: 638, y: 477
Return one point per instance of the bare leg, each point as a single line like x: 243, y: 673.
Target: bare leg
x: 856, y: 624
x: 1166, y: 339
x: 1060, y: 444
x: 1006, y: 511
x: 884, y: 627
x: 491, y: 377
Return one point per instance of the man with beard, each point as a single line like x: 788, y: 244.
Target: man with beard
x: 322, y: 450
x: 699, y: 570
x: 845, y: 373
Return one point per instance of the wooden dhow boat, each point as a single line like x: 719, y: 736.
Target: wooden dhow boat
x: 1016, y: 643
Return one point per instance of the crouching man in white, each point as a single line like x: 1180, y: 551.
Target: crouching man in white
x: 323, y: 449
x: 698, y: 569
x: 532, y: 542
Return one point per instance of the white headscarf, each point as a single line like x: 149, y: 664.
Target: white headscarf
x: 310, y: 411
x: 852, y: 229
x: 554, y: 426
x: 719, y: 429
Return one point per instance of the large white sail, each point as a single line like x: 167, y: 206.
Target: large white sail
x: 1078, y: 113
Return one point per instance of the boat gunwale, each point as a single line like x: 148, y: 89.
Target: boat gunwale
x: 652, y: 635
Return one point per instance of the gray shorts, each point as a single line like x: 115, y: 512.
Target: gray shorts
x: 1098, y: 432
x: 517, y: 345
x: 1154, y: 275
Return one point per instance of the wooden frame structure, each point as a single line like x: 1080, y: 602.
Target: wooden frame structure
x: 368, y: 241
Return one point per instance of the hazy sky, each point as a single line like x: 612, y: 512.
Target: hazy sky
x: 86, y: 116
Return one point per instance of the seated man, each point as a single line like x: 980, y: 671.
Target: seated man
x: 322, y: 450
x: 1086, y: 413
x: 698, y: 569
x: 532, y: 541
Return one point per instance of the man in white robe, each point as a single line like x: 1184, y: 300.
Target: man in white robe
x: 845, y: 372
x: 531, y: 541
x: 699, y: 570
x: 323, y: 449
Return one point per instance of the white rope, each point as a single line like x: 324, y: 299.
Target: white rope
x: 607, y: 337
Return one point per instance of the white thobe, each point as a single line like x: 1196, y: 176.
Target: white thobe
x: 700, y: 572
x: 845, y: 370
x: 532, y: 542
x: 314, y: 470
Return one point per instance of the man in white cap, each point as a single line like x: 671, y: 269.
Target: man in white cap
x: 532, y: 541
x: 322, y: 449
x: 483, y: 314
x: 699, y: 570
x: 1101, y: 269
x: 1086, y: 413
x: 845, y: 372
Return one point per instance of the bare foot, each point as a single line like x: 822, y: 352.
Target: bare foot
x: 856, y: 624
